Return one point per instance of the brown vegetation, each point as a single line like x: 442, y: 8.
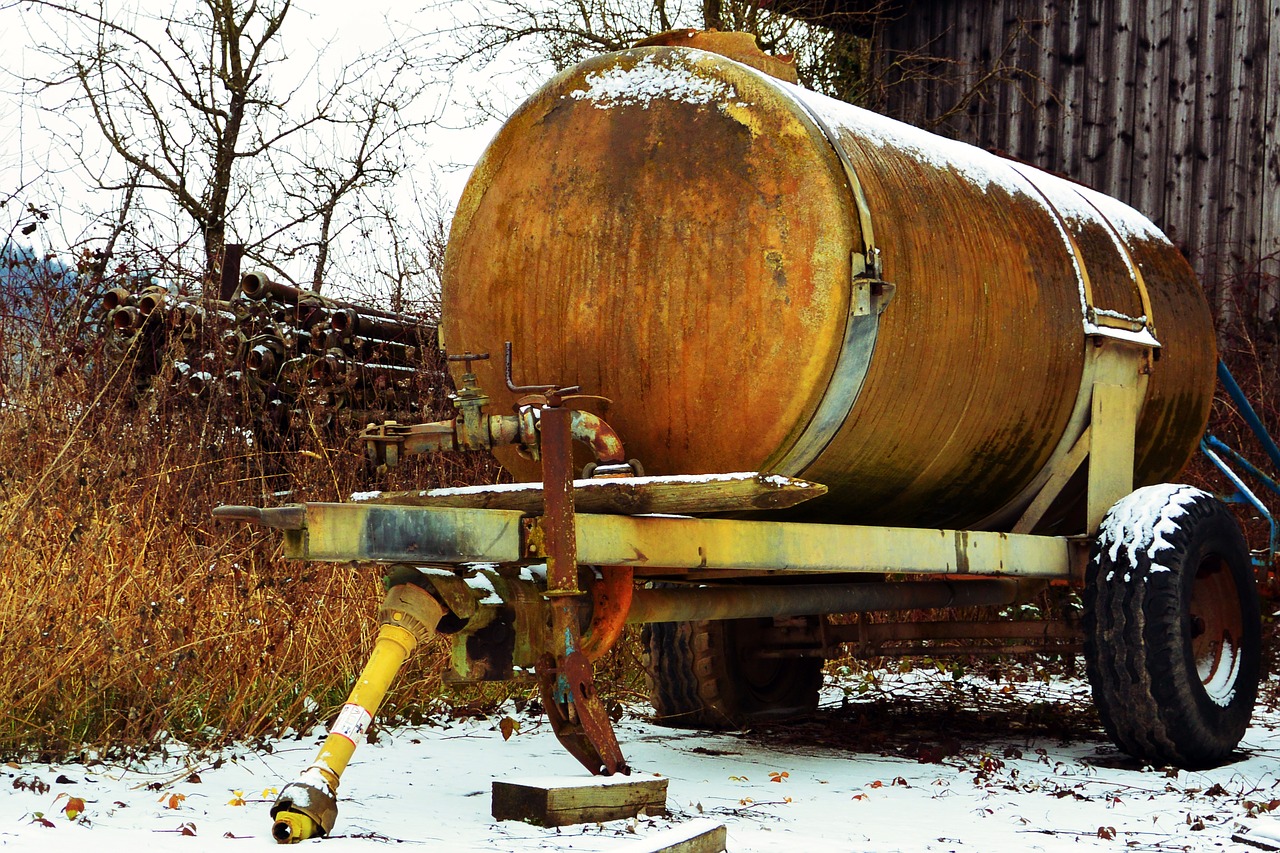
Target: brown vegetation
x: 126, y: 613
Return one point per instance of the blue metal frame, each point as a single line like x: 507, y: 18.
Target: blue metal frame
x: 1215, y: 450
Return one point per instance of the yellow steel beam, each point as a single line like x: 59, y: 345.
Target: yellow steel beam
x: 401, y: 534
x: 398, y: 534
x: 696, y: 543
x: 1118, y: 392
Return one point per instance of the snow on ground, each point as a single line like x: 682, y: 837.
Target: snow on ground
x: 867, y: 773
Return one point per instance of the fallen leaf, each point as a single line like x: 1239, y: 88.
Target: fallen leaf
x: 1107, y: 832
x: 73, y: 808
x: 509, y: 727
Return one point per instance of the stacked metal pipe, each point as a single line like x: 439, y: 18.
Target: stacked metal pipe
x: 288, y: 353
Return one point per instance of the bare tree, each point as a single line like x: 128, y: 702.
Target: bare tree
x: 191, y: 111
x: 399, y: 253
x: 828, y: 59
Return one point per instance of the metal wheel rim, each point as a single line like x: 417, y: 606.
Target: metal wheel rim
x: 1216, y: 629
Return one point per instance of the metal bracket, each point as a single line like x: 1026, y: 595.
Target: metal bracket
x: 870, y: 296
x: 1119, y: 369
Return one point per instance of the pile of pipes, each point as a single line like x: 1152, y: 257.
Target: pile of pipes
x: 289, y: 352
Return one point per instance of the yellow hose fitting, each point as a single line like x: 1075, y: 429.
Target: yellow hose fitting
x: 307, y: 808
x: 412, y: 608
x: 292, y: 827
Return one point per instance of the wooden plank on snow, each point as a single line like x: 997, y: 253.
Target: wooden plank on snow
x: 696, y: 836
x: 563, y: 802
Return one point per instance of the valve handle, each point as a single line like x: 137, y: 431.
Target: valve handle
x: 552, y: 392
x: 469, y: 357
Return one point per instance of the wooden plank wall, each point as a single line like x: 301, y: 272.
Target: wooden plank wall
x: 1169, y: 105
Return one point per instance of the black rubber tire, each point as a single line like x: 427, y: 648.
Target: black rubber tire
x: 707, y: 675
x: 1172, y: 627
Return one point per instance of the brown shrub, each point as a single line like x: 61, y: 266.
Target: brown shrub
x: 127, y: 614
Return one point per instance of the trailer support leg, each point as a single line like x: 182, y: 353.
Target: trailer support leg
x: 574, y: 709
x: 308, y: 807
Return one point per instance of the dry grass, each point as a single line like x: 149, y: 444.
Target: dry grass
x: 127, y: 615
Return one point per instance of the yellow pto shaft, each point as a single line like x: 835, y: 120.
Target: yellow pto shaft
x: 308, y: 807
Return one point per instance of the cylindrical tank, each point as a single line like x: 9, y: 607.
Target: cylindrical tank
x: 712, y: 249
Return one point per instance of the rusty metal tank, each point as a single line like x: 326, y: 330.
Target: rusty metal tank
x: 762, y: 278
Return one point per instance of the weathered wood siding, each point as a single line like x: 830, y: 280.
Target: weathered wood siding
x: 1169, y: 105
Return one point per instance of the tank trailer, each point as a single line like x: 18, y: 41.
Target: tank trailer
x: 787, y: 358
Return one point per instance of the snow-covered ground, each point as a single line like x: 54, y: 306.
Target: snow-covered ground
x: 914, y: 763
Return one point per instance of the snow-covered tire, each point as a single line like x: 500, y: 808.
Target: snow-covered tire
x: 1172, y: 627
x: 707, y: 675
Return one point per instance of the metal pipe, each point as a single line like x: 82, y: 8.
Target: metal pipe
x: 265, y: 354
x: 335, y: 365
x: 125, y: 318
x: 745, y: 602
x: 901, y: 632
x: 1246, y: 411
x: 258, y: 286
x: 152, y: 298
x: 368, y: 324
x: 387, y: 351
x: 115, y: 297
x: 199, y: 382
x: 603, y: 440
x: 234, y: 345
x: 1217, y: 444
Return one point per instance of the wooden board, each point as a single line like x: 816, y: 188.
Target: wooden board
x: 625, y: 495
x: 562, y: 802
x: 696, y: 836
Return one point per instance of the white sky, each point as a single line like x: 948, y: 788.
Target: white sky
x: 28, y: 144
